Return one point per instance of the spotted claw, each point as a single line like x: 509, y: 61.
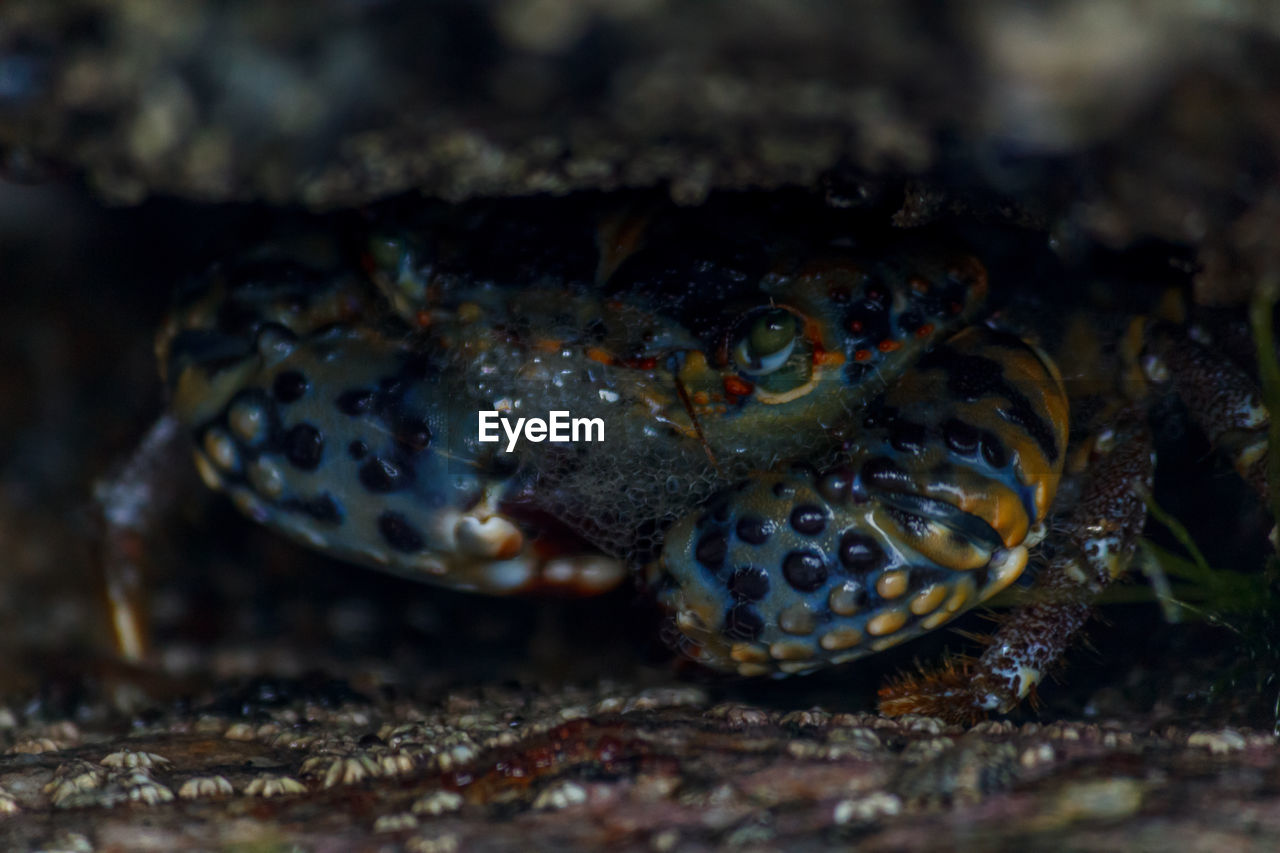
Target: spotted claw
x: 932, y: 513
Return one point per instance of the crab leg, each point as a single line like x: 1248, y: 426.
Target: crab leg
x: 129, y: 505
x: 1222, y: 399
x: 1090, y: 548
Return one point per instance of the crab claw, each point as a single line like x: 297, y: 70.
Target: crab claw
x: 932, y: 513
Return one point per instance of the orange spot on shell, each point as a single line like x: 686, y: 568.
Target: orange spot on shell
x: 924, y: 331
x: 889, y: 345
x: 597, y: 354
x: 826, y: 358
x: 736, y: 386
x: 862, y: 355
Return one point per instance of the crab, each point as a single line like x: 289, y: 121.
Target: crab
x: 814, y: 442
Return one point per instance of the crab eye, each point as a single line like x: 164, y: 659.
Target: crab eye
x: 765, y: 340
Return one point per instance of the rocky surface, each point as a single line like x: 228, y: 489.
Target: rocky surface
x: 1110, y: 120
x: 301, y: 702
x: 315, y: 765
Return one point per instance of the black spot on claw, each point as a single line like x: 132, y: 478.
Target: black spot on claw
x: 907, y: 437
x: 749, y: 584
x: 413, y: 435
x: 834, y: 484
x: 322, y: 508
x: 804, y: 570
x: 710, y: 550
x: 969, y: 377
x: 304, y: 446
x: 809, y: 519
x: 993, y: 450
x: 742, y: 622
x: 972, y: 377
x: 399, y: 533
x: 358, y: 449
x: 382, y: 476
x: 289, y: 386
x: 860, y: 553
x: 357, y: 401
x: 961, y: 437
x: 754, y: 530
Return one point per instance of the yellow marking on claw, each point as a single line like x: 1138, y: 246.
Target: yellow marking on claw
x: 888, y: 642
x: 1005, y: 573
x: 748, y: 653
x: 957, y: 600
x: 938, y: 617
x: 797, y: 619
x: 201, y: 395
x: 892, y: 584
x: 888, y: 622
x: 844, y: 599
x: 939, y: 544
x: 220, y: 449
x: 976, y: 494
x: 208, y: 473
x: 928, y: 600
x: 795, y: 667
x: 840, y: 638
x: 784, y: 650
x: 1043, y: 498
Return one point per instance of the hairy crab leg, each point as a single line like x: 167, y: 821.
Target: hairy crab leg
x: 1221, y: 398
x: 1091, y: 547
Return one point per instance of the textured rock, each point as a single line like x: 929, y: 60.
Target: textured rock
x: 501, y: 768
x: 1101, y: 120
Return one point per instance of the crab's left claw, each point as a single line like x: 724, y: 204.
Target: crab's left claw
x: 932, y: 513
